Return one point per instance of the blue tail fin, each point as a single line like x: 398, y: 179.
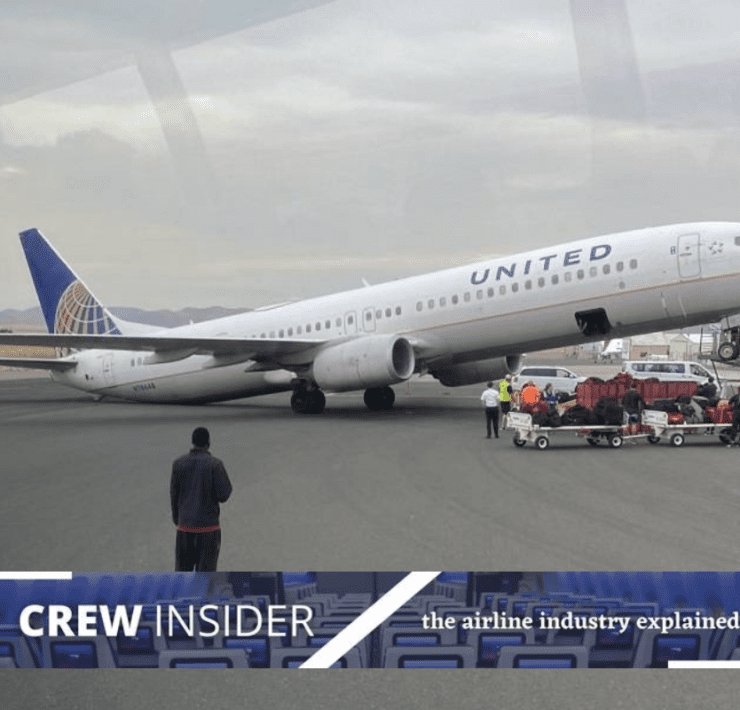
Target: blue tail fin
x: 67, y: 304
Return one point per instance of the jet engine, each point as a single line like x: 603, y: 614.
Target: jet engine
x: 365, y: 362
x: 479, y: 371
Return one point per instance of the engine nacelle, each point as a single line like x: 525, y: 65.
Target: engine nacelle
x: 368, y: 361
x: 470, y: 373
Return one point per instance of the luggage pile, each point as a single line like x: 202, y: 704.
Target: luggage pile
x: 593, y: 389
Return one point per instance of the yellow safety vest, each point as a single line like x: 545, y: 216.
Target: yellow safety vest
x: 503, y: 388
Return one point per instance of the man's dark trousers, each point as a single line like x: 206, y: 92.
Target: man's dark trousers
x: 492, y: 418
x: 197, y: 551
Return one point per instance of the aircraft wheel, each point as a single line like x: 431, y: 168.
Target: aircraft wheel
x: 299, y: 402
x: 727, y: 351
x: 615, y: 441
x: 542, y: 442
x: 653, y: 439
x: 388, y: 397
x: 677, y: 439
x: 519, y: 442
x: 379, y: 398
x: 316, y: 402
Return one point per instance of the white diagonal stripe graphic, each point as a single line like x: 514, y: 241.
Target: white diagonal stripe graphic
x: 370, y: 619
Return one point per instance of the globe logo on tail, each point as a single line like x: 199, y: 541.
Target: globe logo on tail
x: 78, y: 312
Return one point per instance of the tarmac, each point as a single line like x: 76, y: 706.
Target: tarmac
x: 419, y: 487
x: 86, y: 488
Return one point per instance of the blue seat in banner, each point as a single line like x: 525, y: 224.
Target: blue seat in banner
x: 295, y: 657
x: 430, y: 657
x: 77, y: 652
x: 655, y: 648
x: 415, y: 636
x: 204, y: 658
x: 141, y: 650
x: 539, y: 656
x: 728, y: 643
x: 487, y: 643
x: 24, y: 652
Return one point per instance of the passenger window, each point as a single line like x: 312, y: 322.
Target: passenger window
x: 298, y: 330
x: 554, y: 279
x: 454, y: 300
x: 398, y: 310
x: 327, y: 325
x: 350, y: 320
x: 281, y: 334
x: 430, y: 303
x: 606, y: 268
x: 442, y: 301
x: 593, y: 271
x: 379, y: 313
x: 540, y: 281
x: 568, y: 275
x: 580, y: 273
x: 528, y: 285
x: 466, y: 296
x: 491, y: 291
x: 419, y: 305
x: 338, y: 322
x: 388, y: 312
x: 133, y: 362
x: 308, y: 328
x: 318, y: 326
x: 620, y: 266
x: 502, y: 290
x: 633, y: 263
x: 262, y: 335
x: 369, y: 315
x: 514, y: 287
x: 290, y: 332
x: 479, y: 294
x: 272, y: 334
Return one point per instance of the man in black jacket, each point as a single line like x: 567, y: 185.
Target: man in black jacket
x: 199, y: 483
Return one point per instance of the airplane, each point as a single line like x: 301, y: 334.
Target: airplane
x: 462, y: 325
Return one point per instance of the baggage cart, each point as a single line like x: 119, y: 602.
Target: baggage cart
x: 677, y: 433
x: 526, y: 431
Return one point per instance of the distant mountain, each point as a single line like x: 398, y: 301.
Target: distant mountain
x: 162, y: 318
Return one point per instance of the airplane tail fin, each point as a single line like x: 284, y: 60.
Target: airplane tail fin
x: 67, y: 304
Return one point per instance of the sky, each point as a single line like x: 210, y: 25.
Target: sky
x: 178, y: 154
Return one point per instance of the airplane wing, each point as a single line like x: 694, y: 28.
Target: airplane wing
x: 38, y: 363
x: 165, y: 347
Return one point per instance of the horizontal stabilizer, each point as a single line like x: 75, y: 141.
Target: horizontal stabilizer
x: 38, y: 363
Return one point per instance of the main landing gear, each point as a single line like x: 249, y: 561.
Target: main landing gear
x: 304, y: 401
x: 379, y: 398
x: 313, y: 401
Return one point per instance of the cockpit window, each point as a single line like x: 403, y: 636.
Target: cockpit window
x: 737, y: 241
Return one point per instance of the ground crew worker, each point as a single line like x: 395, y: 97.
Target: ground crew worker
x: 199, y: 483
x: 505, y: 391
x: 490, y: 399
x: 735, y: 404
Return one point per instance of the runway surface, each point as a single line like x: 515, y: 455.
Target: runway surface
x: 86, y: 487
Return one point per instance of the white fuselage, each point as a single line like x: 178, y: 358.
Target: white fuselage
x: 645, y: 280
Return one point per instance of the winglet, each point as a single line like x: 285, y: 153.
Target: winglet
x: 67, y: 304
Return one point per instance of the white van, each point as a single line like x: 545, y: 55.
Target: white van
x: 561, y: 379
x: 667, y: 370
